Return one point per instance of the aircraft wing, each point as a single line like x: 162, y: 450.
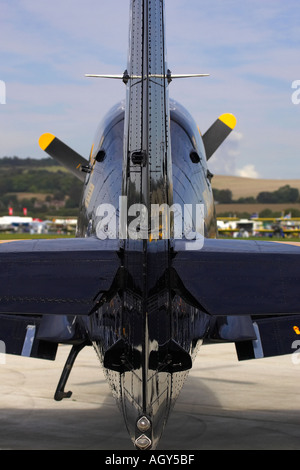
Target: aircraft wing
x: 239, y: 277
x: 224, y: 277
x: 56, y: 277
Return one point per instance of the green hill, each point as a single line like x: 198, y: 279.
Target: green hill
x: 42, y: 186
x: 46, y: 188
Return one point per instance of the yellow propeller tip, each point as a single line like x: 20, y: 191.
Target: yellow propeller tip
x: 229, y: 120
x: 45, y: 140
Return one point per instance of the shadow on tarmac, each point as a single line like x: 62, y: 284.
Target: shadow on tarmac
x: 224, y: 409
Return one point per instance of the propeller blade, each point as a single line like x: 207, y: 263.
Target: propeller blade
x: 217, y: 133
x: 64, y: 154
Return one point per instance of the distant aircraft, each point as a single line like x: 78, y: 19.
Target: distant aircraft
x: 144, y: 298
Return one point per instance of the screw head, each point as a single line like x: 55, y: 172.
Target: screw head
x: 143, y: 424
x: 143, y: 442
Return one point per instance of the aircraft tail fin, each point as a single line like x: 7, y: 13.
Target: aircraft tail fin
x: 147, y: 134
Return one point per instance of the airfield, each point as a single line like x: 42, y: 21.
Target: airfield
x: 225, y: 404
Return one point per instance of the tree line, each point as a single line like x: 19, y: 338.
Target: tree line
x: 52, y: 189
x: 62, y: 191
x: 285, y: 194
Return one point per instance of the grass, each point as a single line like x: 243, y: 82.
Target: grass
x: 267, y: 239
x: 28, y: 236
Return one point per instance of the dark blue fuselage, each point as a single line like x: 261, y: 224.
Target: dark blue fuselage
x: 146, y: 333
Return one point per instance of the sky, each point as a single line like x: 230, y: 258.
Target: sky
x: 250, y: 48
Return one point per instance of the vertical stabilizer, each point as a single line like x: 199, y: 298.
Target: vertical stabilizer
x: 147, y: 146
x: 147, y: 180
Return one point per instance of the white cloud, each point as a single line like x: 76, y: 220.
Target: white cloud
x: 250, y: 48
x: 247, y: 171
x: 224, y: 162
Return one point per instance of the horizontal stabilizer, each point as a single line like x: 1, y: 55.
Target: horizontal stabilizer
x: 19, y: 335
x: 58, y: 277
x: 114, y: 77
x: 169, y: 76
x: 64, y: 154
x: 217, y: 133
x: 274, y: 337
x: 239, y: 277
x: 189, y: 75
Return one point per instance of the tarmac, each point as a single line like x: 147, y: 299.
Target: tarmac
x: 224, y: 405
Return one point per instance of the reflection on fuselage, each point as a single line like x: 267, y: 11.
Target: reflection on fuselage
x: 146, y: 332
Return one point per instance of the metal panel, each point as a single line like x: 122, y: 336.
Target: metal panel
x: 234, y: 277
x: 59, y: 277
